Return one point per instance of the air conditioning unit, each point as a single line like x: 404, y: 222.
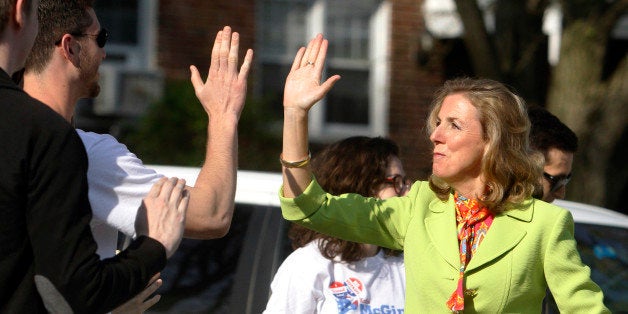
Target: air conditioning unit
x: 127, y: 92
x: 105, y: 103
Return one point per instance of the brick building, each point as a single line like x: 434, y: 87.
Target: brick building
x: 374, y: 44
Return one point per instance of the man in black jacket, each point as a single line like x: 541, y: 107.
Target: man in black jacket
x: 47, y: 252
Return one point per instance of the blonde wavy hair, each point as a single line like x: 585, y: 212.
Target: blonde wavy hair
x: 511, y: 169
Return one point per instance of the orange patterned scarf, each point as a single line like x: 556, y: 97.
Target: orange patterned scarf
x: 473, y: 223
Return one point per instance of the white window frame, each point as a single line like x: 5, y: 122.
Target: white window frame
x: 139, y: 58
x: 142, y: 55
x: 379, y: 81
x: 377, y: 64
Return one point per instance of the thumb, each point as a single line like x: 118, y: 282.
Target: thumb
x: 195, y: 78
x: 329, y: 83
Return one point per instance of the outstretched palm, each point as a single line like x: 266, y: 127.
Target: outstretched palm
x: 224, y: 90
x: 303, y: 86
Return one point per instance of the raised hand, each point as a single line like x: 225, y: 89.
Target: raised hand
x: 303, y: 86
x: 303, y: 89
x: 222, y: 95
x: 224, y: 91
x: 162, y: 213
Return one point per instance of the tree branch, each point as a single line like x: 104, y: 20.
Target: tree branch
x: 481, y: 49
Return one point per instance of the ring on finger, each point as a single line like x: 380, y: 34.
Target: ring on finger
x: 308, y: 62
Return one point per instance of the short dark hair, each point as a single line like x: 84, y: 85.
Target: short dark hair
x: 549, y: 132
x: 353, y: 165
x: 56, y: 18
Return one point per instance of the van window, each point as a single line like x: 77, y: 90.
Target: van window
x: 227, y: 275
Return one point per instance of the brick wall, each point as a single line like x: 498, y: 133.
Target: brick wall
x: 411, y: 88
x: 187, y: 29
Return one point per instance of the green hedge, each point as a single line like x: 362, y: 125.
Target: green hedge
x: 174, y: 132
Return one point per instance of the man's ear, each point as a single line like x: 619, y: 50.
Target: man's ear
x: 20, y: 12
x: 70, y: 48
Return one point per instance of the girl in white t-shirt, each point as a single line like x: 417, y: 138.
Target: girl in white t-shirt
x: 330, y: 275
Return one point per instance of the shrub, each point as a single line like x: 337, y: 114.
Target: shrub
x: 174, y: 132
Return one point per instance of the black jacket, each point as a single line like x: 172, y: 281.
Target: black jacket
x: 45, y: 215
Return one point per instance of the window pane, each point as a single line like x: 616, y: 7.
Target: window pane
x: 284, y: 26
x: 120, y: 17
x: 273, y: 80
x: 605, y: 250
x: 347, y: 27
x: 348, y: 38
x: 348, y: 101
x: 203, y: 276
x: 346, y: 24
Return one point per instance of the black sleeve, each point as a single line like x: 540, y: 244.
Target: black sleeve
x: 58, y: 216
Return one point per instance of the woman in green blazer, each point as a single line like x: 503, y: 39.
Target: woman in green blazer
x: 474, y: 239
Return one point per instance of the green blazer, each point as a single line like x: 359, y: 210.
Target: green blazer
x: 526, y: 250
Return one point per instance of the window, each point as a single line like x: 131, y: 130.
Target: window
x: 132, y: 26
x: 120, y: 16
x: 358, y: 32
x: 129, y: 76
x: 231, y: 274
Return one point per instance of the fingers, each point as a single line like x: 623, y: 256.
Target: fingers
x: 319, y: 62
x: 183, y: 205
x: 177, y: 193
x: 140, y: 303
x: 224, y: 48
x: 173, y: 196
x: 246, y: 66
x: 307, y: 52
x: 225, y: 58
x: 303, y: 86
x: 215, y: 58
x: 150, y: 302
x: 150, y: 289
x: 296, y: 64
x: 314, y: 49
x: 164, y: 222
x: 166, y: 189
x: 142, y: 297
x: 233, y: 52
x: 170, y: 190
x: 154, y: 278
x: 156, y: 189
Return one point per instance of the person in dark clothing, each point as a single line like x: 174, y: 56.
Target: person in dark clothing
x: 559, y: 144
x: 63, y: 67
x: 47, y: 252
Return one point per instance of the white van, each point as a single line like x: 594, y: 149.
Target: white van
x: 233, y: 274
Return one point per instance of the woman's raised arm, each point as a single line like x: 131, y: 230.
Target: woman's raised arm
x: 303, y: 89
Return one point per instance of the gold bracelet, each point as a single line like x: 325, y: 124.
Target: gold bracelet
x: 296, y: 164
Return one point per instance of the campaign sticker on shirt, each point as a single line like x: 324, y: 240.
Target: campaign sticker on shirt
x: 348, y: 294
x: 337, y: 288
x: 355, y: 286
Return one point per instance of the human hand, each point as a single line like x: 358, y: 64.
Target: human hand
x: 224, y: 91
x: 303, y: 86
x: 162, y: 213
x: 139, y: 304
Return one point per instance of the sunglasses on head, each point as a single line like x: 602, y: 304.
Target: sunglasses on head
x: 400, y: 183
x: 101, y: 37
x: 556, y: 182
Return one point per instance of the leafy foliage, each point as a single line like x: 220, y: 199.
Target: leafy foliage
x: 174, y: 132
